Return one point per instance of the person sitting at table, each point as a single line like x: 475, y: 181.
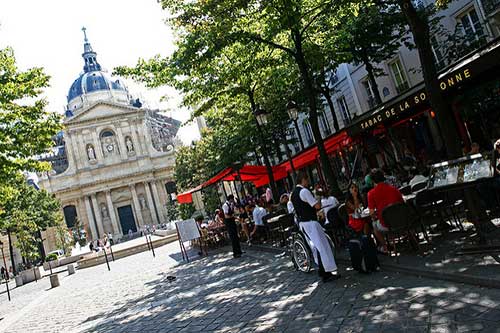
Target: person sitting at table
x: 354, y: 206
x: 259, y: 228
x: 328, y: 202
x: 381, y: 196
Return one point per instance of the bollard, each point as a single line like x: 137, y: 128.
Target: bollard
x: 71, y: 269
x: 8, y: 290
x: 54, y: 280
x: 152, y: 248
x: 106, y: 257
x: 111, y: 251
x: 147, y: 241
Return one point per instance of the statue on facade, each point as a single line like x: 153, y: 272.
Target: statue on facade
x: 129, y: 144
x: 104, y: 211
x: 90, y: 153
x: 142, y: 202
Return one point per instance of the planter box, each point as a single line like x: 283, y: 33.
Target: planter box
x: 53, y: 264
x: 29, y: 275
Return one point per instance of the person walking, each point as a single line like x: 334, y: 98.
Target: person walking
x: 229, y: 221
x: 306, y: 207
x: 110, y: 238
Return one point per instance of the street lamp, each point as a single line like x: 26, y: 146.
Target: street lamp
x: 6, y: 270
x: 293, y: 112
x: 261, y: 116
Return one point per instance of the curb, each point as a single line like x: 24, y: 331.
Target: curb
x: 435, y: 275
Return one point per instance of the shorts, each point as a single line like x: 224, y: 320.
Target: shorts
x: 377, y: 225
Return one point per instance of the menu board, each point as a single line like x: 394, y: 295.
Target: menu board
x: 462, y: 170
x: 188, y: 230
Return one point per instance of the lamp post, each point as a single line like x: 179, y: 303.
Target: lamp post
x: 6, y: 271
x: 293, y: 112
x: 261, y: 120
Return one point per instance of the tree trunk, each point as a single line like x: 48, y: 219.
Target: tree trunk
x: 421, y: 34
x: 371, y: 78
x: 313, y: 113
x: 264, y: 152
x: 328, y: 97
x: 11, y: 251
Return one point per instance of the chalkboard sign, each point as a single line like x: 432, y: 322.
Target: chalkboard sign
x: 188, y: 230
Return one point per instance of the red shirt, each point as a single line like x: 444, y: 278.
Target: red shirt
x: 382, y: 196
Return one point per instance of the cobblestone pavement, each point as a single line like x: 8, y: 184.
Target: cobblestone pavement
x: 256, y: 293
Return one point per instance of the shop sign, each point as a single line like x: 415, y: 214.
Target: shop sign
x: 412, y: 101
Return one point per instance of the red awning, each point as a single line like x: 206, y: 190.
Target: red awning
x: 187, y: 197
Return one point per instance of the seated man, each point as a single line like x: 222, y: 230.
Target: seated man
x: 259, y: 228
x: 381, y: 196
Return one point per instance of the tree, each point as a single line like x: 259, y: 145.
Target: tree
x: 218, y: 32
x: 27, y: 128
x: 25, y: 212
x: 418, y: 21
x: 374, y: 34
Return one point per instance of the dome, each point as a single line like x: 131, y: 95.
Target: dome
x: 94, y: 84
x: 89, y: 82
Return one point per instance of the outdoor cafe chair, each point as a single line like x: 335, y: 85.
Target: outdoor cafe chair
x: 418, y: 187
x: 337, y: 226
x: 401, y: 219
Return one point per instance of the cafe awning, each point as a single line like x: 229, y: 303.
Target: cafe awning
x: 309, y: 156
x: 416, y: 98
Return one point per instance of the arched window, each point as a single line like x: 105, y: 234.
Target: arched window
x: 106, y: 134
x: 70, y: 215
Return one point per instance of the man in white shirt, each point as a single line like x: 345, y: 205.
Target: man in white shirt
x: 306, y: 206
x: 327, y: 202
x: 259, y: 228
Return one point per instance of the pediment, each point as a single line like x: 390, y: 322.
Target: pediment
x: 102, y: 110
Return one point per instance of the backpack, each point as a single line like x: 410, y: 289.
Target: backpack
x: 363, y: 254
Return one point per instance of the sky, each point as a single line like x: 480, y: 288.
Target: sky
x: 48, y: 34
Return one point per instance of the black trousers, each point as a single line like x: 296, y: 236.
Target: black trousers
x: 232, y: 230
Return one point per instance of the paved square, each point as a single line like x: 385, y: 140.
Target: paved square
x: 257, y: 293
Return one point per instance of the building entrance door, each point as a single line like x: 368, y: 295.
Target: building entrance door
x: 127, y: 219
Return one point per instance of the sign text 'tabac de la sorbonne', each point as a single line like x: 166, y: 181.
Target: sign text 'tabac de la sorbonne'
x: 414, y: 100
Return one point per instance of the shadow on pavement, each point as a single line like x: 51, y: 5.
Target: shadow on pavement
x: 219, y: 293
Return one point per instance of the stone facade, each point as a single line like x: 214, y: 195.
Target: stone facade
x: 113, y: 159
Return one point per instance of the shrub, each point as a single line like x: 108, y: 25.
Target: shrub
x: 51, y: 257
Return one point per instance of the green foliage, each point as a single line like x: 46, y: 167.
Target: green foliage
x: 186, y: 211
x: 51, y: 257
x: 172, y: 211
x: 64, y: 240
x: 27, y: 128
x: 211, y: 200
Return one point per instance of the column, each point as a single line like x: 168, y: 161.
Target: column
x: 137, y: 206
x: 151, y: 204
x: 159, y: 206
x: 97, y: 211
x: 97, y: 147
x: 111, y: 211
x: 79, y: 213
x: 90, y: 217
x: 121, y: 143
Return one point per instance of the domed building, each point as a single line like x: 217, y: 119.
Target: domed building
x: 112, y: 166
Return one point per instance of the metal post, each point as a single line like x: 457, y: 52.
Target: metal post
x: 50, y: 267
x: 6, y: 277
x: 147, y: 241
x: 111, y: 250
x: 152, y: 248
x: 298, y: 134
x: 34, y: 273
x: 106, y: 256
